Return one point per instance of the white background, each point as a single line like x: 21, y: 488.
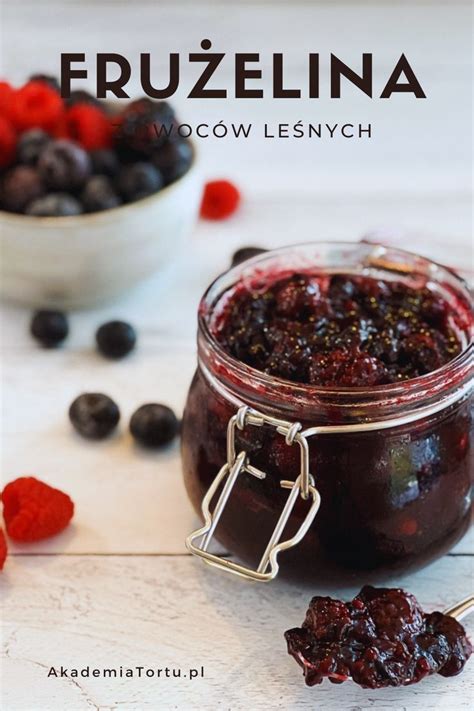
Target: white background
x: 117, y: 588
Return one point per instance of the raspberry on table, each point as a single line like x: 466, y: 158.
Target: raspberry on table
x: 3, y: 549
x: 116, y: 339
x: 154, y: 425
x: 36, y: 105
x: 88, y: 125
x: 220, y: 200
x: 54, y: 205
x: 34, y: 510
x: 20, y: 186
x: 94, y: 415
x: 50, y: 328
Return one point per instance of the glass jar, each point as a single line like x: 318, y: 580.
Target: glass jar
x: 392, y: 464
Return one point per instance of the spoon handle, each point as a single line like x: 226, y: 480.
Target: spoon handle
x: 461, y: 609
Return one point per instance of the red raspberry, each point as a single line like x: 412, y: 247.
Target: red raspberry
x: 34, y: 510
x: 89, y: 126
x: 7, y: 142
x: 3, y: 549
x: 6, y: 98
x: 36, y: 105
x: 221, y: 199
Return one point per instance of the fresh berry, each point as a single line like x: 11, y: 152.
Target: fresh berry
x: 49, y: 328
x: 6, y: 99
x: 7, y: 142
x: 382, y: 638
x: 94, y: 415
x: 89, y: 126
x: 104, y: 162
x: 138, y: 180
x: 154, y: 425
x: 116, y: 339
x: 64, y: 165
x: 36, y: 105
x: 244, y: 253
x: 145, y: 126
x: 3, y: 549
x: 99, y: 194
x: 220, y: 200
x: 30, y: 145
x: 20, y: 186
x: 50, y: 81
x: 173, y: 159
x: 34, y: 510
x: 54, y: 205
x: 80, y: 96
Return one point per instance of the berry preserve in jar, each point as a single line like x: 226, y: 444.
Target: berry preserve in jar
x: 361, y: 355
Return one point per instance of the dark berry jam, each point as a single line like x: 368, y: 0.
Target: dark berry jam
x: 344, y: 330
x: 381, y: 638
x: 394, y: 497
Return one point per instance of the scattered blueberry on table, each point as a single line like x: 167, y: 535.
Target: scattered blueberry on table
x: 116, y: 339
x: 154, y: 425
x: 94, y: 415
x: 50, y: 328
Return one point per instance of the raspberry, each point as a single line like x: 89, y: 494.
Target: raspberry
x: 89, y: 126
x: 34, y: 510
x: 221, y: 199
x: 7, y: 142
x: 3, y: 549
x: 36, y: 105
x: 6, y: 97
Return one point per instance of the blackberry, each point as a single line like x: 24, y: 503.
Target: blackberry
x: 94, y: 415
x: 146, y: 125
x: 50, y: 328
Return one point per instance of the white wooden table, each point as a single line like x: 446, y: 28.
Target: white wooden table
x: 118, y: 588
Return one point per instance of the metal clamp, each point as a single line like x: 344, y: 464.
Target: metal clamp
x: 238, y: 464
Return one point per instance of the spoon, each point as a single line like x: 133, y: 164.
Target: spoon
x: 461, y: 609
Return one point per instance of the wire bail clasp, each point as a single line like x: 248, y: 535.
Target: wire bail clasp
x: 238, y: 464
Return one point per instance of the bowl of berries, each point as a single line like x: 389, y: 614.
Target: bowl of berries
x: 94, y: 196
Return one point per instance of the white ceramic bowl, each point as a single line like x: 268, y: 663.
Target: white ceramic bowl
x: 80, y: 261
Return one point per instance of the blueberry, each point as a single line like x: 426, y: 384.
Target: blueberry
x: 154, y: 425
x: 173, y: 159
x: 138, y: 180
x: 94, y: 415
x: 80, y: 96
x: 99, y: 194
x: 64, y: 165
x: 244, y: 253
x: 20, y: 186
x: 54, y: 205
x: 30, y: 145
x: 52, y: 82
x: 104, y: 162
x: 50, y: 328
x: 116, y: 339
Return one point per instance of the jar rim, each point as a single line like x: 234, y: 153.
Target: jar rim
x: 392, y: 261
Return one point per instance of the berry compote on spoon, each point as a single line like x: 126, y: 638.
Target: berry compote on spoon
x: 381, y: 638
